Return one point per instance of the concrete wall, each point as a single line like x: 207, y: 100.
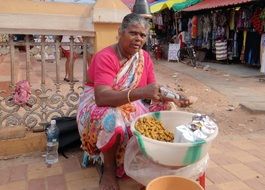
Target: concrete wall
x: 107, y: 16
x: 32, y: 142
x: 109, y: 11
x: 29, y: 17
x: 106, y: 34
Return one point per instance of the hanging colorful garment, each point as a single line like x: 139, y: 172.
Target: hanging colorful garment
x: 194, y: 27
x: 262, y: 17
x: 256, y: 21
x: 232, y: 20
x: 235, y: 45
x: 242, y: 54
x: 206, y: 28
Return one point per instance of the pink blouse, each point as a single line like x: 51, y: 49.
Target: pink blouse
x: 105, y: 65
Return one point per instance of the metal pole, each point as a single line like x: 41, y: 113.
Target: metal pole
x: 71, y: 72
x: 27, y: 58
x: 12, y: 57
x: 85, y: 58
x: 57, y: 58
x: 42, y: 60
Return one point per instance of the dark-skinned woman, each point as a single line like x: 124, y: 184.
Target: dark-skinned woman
x: 120, y: 77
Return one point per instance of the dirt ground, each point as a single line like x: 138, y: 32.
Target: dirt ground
x: 231, y: 118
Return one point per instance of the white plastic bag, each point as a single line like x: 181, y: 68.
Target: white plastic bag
x: 143, y: 170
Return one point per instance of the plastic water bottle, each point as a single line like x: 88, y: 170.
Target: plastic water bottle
x: 52, y: 143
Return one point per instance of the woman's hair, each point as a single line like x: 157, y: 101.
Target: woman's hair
x: 132, y: 19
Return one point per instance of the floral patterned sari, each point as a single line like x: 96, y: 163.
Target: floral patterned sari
x: 99, y: 126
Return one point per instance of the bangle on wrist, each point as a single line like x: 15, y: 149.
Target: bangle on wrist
x: 128, y: 95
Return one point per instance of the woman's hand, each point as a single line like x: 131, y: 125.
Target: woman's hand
x: 181, y: 102
x: 151, y: 91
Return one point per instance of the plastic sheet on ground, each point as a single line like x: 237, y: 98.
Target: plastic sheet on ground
x: 143, y: 170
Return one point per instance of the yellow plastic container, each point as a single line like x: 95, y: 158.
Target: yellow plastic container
x: 173, y: 183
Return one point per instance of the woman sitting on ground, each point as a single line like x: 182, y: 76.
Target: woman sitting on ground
x: 120, y: 77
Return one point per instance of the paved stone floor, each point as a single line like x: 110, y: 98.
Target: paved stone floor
x: 236, y: 163
x: 31, y: 173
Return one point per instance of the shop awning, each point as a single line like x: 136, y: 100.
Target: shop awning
x: 158, y: 6
x: 210, y: 4
x: 175, y: 5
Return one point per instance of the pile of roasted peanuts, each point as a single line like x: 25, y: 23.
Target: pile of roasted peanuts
x: 153, y: 128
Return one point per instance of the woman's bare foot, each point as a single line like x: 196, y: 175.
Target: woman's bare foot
x: 108, y: 180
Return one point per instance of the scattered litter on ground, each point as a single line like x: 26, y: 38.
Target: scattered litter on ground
x: 262, y: 80
x: 206, y: 68
x: 241, y: 125
x: 230, y: 108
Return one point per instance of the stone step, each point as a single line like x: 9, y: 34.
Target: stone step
x: 30, y: 143
x: 12, y: 132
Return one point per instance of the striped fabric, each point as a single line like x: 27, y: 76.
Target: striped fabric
x: 221, y: 50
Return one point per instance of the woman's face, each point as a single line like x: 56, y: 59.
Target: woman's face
x: 132, y: 39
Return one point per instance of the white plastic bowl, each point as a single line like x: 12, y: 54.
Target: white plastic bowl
x: 172, y: 154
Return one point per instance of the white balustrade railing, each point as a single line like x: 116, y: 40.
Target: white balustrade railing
x: 47, y: 100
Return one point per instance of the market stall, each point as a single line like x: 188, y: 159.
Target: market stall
x: 164, y: 25
x: 226, y: 30
x: 229, y: 31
